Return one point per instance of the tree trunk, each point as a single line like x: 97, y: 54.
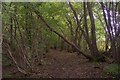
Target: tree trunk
x: 94, y: 50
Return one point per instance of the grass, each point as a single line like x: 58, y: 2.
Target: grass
x: 113, y: 69
x: 7, y: 75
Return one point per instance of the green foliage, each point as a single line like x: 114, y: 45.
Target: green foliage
x: 37, y: 37
x: 54, y: 13
x: 5, y: 60
x: 7, y: 75
x: 113, y: 69
x: 118, y: 18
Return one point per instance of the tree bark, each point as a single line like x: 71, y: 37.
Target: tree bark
x: 111, y: 28
x: 91, y: 43
x: 95, y: 51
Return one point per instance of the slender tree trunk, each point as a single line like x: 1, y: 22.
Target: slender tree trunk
x: 111, y: 28
x: 71, y: 32
x: 95, y: 51
x: 86, y: 28
x: 91, y: 43
x: 106, y: 43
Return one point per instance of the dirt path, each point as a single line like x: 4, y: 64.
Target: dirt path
x: 69, y: 65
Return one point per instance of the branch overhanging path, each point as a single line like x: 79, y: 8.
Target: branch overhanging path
x: 67, y: 41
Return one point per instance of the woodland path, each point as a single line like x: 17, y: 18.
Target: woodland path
x: 67, y: 65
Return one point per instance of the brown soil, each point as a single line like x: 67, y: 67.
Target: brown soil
x: 63, y: 65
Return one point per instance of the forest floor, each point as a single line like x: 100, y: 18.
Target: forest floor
x: 63, y: 64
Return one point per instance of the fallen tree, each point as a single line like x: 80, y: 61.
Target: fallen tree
x: 90, y: 57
